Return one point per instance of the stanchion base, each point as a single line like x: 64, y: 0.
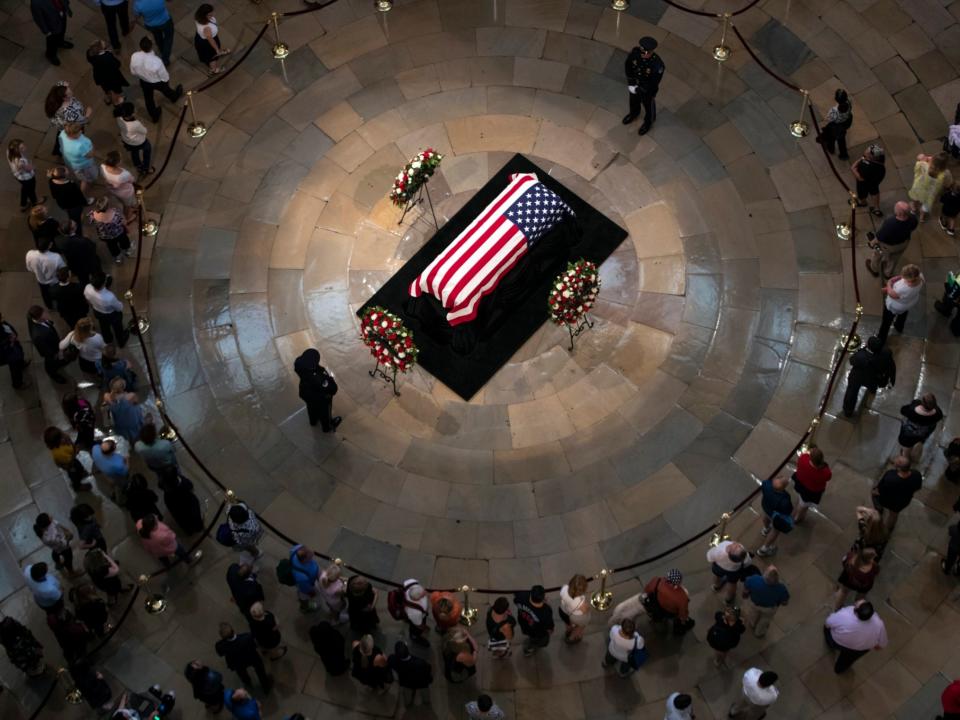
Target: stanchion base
x: 74, y: 696
x: 721, y: 53
x: 197, y: 130
x: 468, y: 617
x: 280, y: 51
x: 155, y: 604
x: 168, y: 433
x: 383, y: 5
x: 799, y: 129
x: 620, y: 5
x: 843, y: 231
x: 601, y: 600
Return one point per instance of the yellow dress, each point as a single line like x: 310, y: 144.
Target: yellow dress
x: 926, y: 189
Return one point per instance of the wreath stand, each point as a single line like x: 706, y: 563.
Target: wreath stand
x: 583, y: 324
x: 414, y: 201
x: 390, y: 378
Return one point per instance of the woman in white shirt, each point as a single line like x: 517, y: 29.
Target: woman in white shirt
x: 574, y: 608
x: 207, y: 41
x: 902, y: 294
x: 133, y: 135
x: 121, y: 184
x: 23, y: 171
x: 88, y: 342
x: 624, y: 639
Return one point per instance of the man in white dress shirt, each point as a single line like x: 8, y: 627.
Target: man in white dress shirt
x: 854, y: 630
x: 44, y: 263
x: 759, y: 693
x: 152, y: 74
x: 107, y: 309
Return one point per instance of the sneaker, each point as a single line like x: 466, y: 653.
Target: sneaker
x: 118, y: 259
x: 765, y: 531
x: 128, y: 252
x: 943, y: 225
x: 767, y: 550
x: 528, y: 651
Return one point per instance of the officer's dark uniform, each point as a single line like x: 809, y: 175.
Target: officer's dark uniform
x: 317, y: 388
x: 645, y: 73
x: 871, y: 367
x: 948, y: 303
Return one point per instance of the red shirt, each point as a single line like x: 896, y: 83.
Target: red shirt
x: 671, y: 598
x: 951, y: 698
x: 812, y: 478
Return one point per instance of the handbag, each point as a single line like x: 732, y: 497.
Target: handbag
x: 637, y: 656
x: 782, y: 523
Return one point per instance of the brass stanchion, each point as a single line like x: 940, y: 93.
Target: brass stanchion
x: 280, y: 48
x: 799, y: 128
x: 383, y: 5
x: 143, y: 324
x: 196, y: 128
x: 721, y: 534
x: 148, y: 226
x: 153, y: 603
x: 468, y: 615
x: 811, y: 440
x: 231, y: 497
x: 620, y: 5
x: 602, y: 598
x: 73, y: 696
x: 166, y: 432
x: 721, y: 52
x: 844, y: 229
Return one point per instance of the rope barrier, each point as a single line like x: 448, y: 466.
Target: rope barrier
x: 166, y: 159
x: 761, y: 63
x: 223, y: 75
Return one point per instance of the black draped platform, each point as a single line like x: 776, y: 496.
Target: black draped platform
x: 466, y: 356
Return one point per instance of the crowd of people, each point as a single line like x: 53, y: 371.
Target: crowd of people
x: 72, y: 282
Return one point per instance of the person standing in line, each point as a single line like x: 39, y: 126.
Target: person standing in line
x: 854, y: 630
x: 94, y: 688
x: 460, y: 653
x: 46, y: 341
x: 777, y: 513
x: 839, y: 120
x: 727, y: 562
x: 951, y: 563
x: 665, y: 598
x: 121, y: 184
x: 111, y: 367
x: 107, y: 309
x: 902, y: 295
x: 860, y: 570
x: 766, y: 594
x: 810, y: 480
x: 920, y: 419
x: 334, y: 592
x: 90, y: 608
x: 91, y: 536
x: 111, y: 227
x: 679, y: 707
x: 42, y: 226
x: 644, y: 70
x: 62, y: 108
x: 114, y: 10
x: 207, y: 685
x: 574, y: 609
x: 46, y: 589
x: 930, y: 176
x: 68, y: 295
x: 949, y: 209
x: 157, y: 20
x: 156, y: 452
x: 624, y: 640
x: 362, y: 605
x: 107, y: 72
x: 24, y: 173
x: 412, y: 673
x: 446, y: 609
x: 500, y: 628
x: 207, y: 39
x: 869, y: 171
x: 872, y: 367
x: 484, y: 708
x: 89, y: 344
x: 241, y: 704
x: 133, y: 135
x: 66, y: 192
x: 153, y: 76
x: 63, y: 452
x: 758, y: 694
x: 125, y: 410
x: 11, y: 355
x: 246, y: 529
x: 370, y: 665
x: 950, y: 702
x: 141, y: 500
x: 951, y: 298
x: 306, y: 575
x: 535, y: 617
x: 105, y: 574
x: 330, y: 645
x: 160, y: 541
x: 51, y: 17
x: 317, y: 388
x: 890, y: 242
x: 264, y: 628
x: 56, y: 537
x: 245, y: 589
x: 43, y: 262
x: 78, y: 155
x: 725, y: 634
x: 894, y: 491
x: 240, y: 653
x: 416, y: 608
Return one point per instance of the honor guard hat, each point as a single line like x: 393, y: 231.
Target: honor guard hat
x: 648, y: 43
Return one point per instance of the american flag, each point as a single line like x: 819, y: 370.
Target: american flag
x: 472, y: 265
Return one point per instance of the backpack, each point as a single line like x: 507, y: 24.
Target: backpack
x: 225, y: 535
x: 285, y: 572
x: 651, y: 604
x: 397, y: 602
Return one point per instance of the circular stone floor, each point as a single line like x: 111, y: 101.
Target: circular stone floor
x: 718, y: 320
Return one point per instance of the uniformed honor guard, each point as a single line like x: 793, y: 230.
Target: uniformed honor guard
x: 317, y: 388
x: 644, y: 70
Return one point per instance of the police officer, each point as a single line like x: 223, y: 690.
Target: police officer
x: 317, y: 388
x: 644, y: 70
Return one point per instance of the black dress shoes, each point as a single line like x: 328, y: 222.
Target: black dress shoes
x: 628, y: 118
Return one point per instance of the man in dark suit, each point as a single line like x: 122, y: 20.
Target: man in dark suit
x: 51, y: 17
x: 244, y: 587
x: 872, y: 367
x: 11, y: 354
x: 46, y: 340
x: 69, y: 300
x: 79, y: 253
x: 413, y: 673
x: 240, y: 652
x: 317, y: 388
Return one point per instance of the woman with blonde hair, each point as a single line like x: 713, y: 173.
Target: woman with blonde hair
x: 574, y: 608
x: 872, y: 530
x: 78, y: 155
x: 266, y: 632
x: 42, y: 226
x: 125, y: 410
x: 370, y: 665
x: 23, y: 171
x: 334, y: 590
x: 930, y: 177
x: 860, y: 570
x: 459, y: 655
x: 88, y: 342
x: 121, y: 183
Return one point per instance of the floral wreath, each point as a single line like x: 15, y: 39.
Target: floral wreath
x: 414, y: 175
x: 573, y: 293
x: 390, y: 342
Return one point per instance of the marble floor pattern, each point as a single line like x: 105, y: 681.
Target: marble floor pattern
x: 717, y: 323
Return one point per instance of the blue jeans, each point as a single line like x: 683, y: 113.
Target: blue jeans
x: 163, y: 37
